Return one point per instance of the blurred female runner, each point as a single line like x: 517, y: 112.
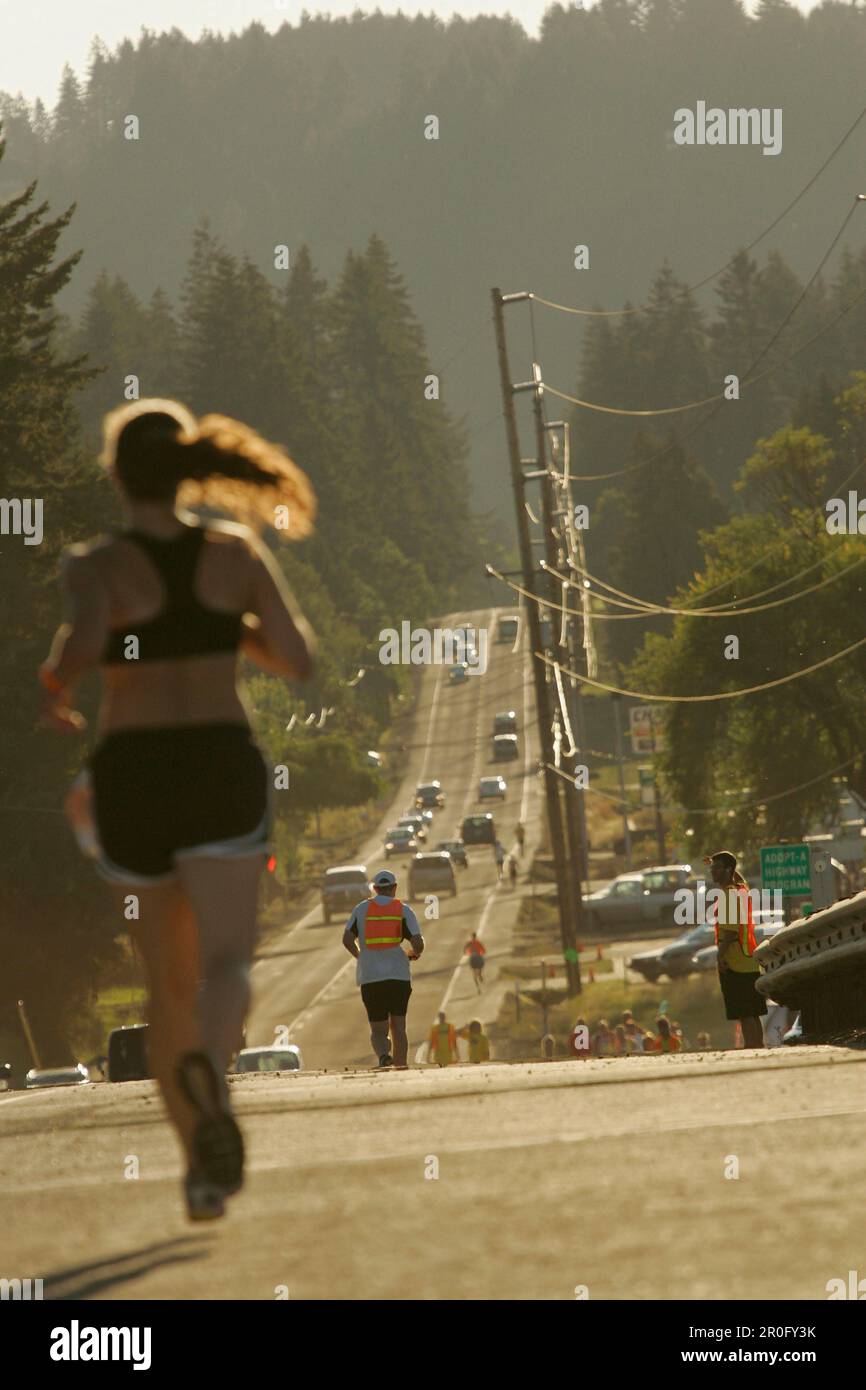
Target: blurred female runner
x: 179, y: 790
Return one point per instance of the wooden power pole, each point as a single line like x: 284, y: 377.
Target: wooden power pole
x: 542, y: 702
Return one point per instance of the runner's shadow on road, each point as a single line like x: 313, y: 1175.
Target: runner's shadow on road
x: 85, y: 1281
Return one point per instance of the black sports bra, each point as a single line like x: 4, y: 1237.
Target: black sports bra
x: 184, y: 627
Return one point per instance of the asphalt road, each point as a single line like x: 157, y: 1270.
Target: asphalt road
x: 543, y: 1179
x: 305, y: 983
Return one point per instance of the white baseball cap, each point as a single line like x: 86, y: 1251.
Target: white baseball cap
x: 384, y: 879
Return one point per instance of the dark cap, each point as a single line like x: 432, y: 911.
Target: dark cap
x: 725, y: 857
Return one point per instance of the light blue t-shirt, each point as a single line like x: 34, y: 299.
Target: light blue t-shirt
x: 390, y: 964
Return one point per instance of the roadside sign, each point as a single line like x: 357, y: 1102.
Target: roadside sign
x: 645, y: 724
x: 787, y: 868
x: 646, y: 778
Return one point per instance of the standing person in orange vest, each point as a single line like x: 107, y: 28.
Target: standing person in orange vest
x: 666, y: 1040
x: 374, y: 935
x: 443, y: 1042
x: 735, y: 941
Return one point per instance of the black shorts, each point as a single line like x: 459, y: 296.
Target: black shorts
x: 385, y: 997
x: 476, y: 961
x: 741, y: 998
x: 160, y: 794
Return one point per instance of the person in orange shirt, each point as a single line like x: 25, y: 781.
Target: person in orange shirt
x: 474, y: 949
x: 666, y: 1040
x: 442, y: 1047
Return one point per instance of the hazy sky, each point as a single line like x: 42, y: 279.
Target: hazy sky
x: 38, y: 36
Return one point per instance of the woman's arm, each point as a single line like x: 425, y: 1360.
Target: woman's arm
x: 79, y: 641
x: 279, y: 639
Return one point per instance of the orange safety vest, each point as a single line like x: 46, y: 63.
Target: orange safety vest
x: 383, y: 925
x: 745, y: 930
x: 442, y: 1031
x: 671, y: 1043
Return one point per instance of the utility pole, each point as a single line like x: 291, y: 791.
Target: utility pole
x: 542, y: 703
x: 657, y: 799
x: 617, y: 721
x: 570, y: 792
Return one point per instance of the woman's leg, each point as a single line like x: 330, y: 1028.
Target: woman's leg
x: 224, y: 898
x: 167, y: 940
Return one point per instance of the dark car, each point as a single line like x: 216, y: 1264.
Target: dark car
x: 127, y: 1054
x: 429, y: 796
x: 457, y: 850
x: 505, y: 722
x: 431, y: 872
x: 505, y: 748
x: 507, y: 627
x: 478, y: 830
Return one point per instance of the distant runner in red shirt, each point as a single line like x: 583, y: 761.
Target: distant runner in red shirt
x: 474, y: 949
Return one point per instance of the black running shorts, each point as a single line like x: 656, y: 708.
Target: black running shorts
x: 160, y: 794
x: 741, y: 998
x: 385, y: 997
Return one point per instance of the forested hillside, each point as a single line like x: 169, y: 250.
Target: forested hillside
x: 316, y: 135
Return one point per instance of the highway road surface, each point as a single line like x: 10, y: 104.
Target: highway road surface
x: 702, y: 1176
x: 305, y: 981
x: 523, y: 1181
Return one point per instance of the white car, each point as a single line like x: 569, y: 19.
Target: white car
x: 287, y: 1058
x: 61, y: 1076
x: 492, y: 788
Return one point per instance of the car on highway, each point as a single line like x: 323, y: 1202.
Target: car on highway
x: 707, y: 958
x: 644, y: 898
x: 677, y: 958
x: 505, y: 722
x: 400, y: 839
x: 127, y: 1053
x: 285, y: 1058
x: 458, y: 674
x: 429, y: 796
x: 58, y: 1076
x: 433, y: 872
x: 342, y: 888
x: 507, y: 627
x: 457, y: 851
x: 417, y: 822
x: 478, y: 830
x: 505, y: 748
x: 492, y: 788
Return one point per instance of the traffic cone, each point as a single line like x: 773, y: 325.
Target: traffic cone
x: 599, y: 952
x: 591, y: 976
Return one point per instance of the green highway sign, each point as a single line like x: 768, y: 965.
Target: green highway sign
x: 787, y: 868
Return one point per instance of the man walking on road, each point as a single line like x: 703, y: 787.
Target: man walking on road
x: 443, y: 1042
x: 374, y: 935
x: 735, y: 942
x: 499, y: 854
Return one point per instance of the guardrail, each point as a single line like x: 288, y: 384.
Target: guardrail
x: 817, y: 964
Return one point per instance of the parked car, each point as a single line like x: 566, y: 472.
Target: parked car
x: 507, y: 627
x: 60, y: 1076
x: 285, y: 1058
x: 417, y: 822
x: 127, y: 1053
x: 342, y: 888
x: 400, y: 839
x: 678, y: 957
x: 707, y: 958
x: 429, y: 796
x: 478, y: 830
x: 457, y: 850
x: 635, y: 899
x: 373, y: 758
x: 505, y: 722
x: 432, y: 872
x: 505, y: 748
x: 458, y: 674
x: 492, y: 788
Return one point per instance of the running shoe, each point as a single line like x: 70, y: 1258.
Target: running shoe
x: 386, y: 1060
x: 204, y: 1201
x: 218, y: 1145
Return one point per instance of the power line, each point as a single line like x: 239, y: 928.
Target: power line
x: 651, y: 698
x: 641, y: 308
x: 749, y: 380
